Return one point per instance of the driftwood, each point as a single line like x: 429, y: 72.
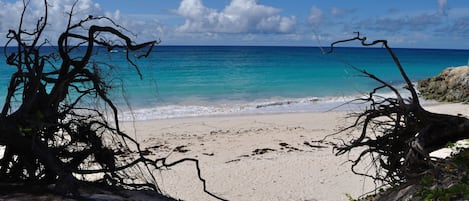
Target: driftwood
x: 50, y: 136
x: 397, y: 133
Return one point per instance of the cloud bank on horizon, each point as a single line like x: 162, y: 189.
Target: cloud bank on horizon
x: 417, y: 24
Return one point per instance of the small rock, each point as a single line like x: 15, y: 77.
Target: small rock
x: 451, y: 85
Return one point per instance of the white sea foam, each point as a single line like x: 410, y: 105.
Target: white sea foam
x: 274, y: 105
x: 2, y: 151
x: 308, y: 104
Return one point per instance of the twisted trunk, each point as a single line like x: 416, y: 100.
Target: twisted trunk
x: 397, y: 133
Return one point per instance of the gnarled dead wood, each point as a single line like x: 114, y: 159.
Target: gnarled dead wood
x: 397, y: 133
x: 49, y: 135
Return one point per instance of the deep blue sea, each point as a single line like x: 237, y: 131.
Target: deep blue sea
x: 187, y: 81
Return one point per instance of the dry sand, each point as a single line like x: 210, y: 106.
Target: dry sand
x: 256, y: 157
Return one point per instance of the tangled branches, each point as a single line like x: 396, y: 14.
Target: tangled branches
x: 397, y: 133
x: 50, y: 135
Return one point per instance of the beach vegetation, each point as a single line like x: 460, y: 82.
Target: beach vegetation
x: 349, y: 197
x: 58, y: 126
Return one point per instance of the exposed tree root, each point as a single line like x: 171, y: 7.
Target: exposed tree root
x: 397, y: 133
x: 50, y: 134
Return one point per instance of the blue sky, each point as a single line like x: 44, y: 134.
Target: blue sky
x: 404, y: 23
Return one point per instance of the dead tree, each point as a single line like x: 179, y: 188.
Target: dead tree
x: 50, y: 134
x: 397, y: 133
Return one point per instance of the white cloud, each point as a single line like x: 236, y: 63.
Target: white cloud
x: 58, y: 10
x: 341, y: 12
x: 443, y: 7
x: 240, y: 16
x: 9, y: 15
x: 315, y: 16
x: 57, y: 15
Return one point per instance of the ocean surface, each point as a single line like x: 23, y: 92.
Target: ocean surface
x: 190, y: 81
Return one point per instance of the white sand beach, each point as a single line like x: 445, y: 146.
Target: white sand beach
x: 257, y: 157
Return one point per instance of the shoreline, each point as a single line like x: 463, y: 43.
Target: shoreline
x: 256, y: 157
x: 338, y: 107
x: 256, y: 107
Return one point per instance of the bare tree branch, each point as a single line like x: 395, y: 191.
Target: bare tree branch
x: 50, y: 137
x: 397, y: 133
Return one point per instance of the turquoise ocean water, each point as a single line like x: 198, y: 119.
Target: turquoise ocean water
x: 188, y: 81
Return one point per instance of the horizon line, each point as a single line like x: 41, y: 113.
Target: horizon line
x: 286, y: 46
